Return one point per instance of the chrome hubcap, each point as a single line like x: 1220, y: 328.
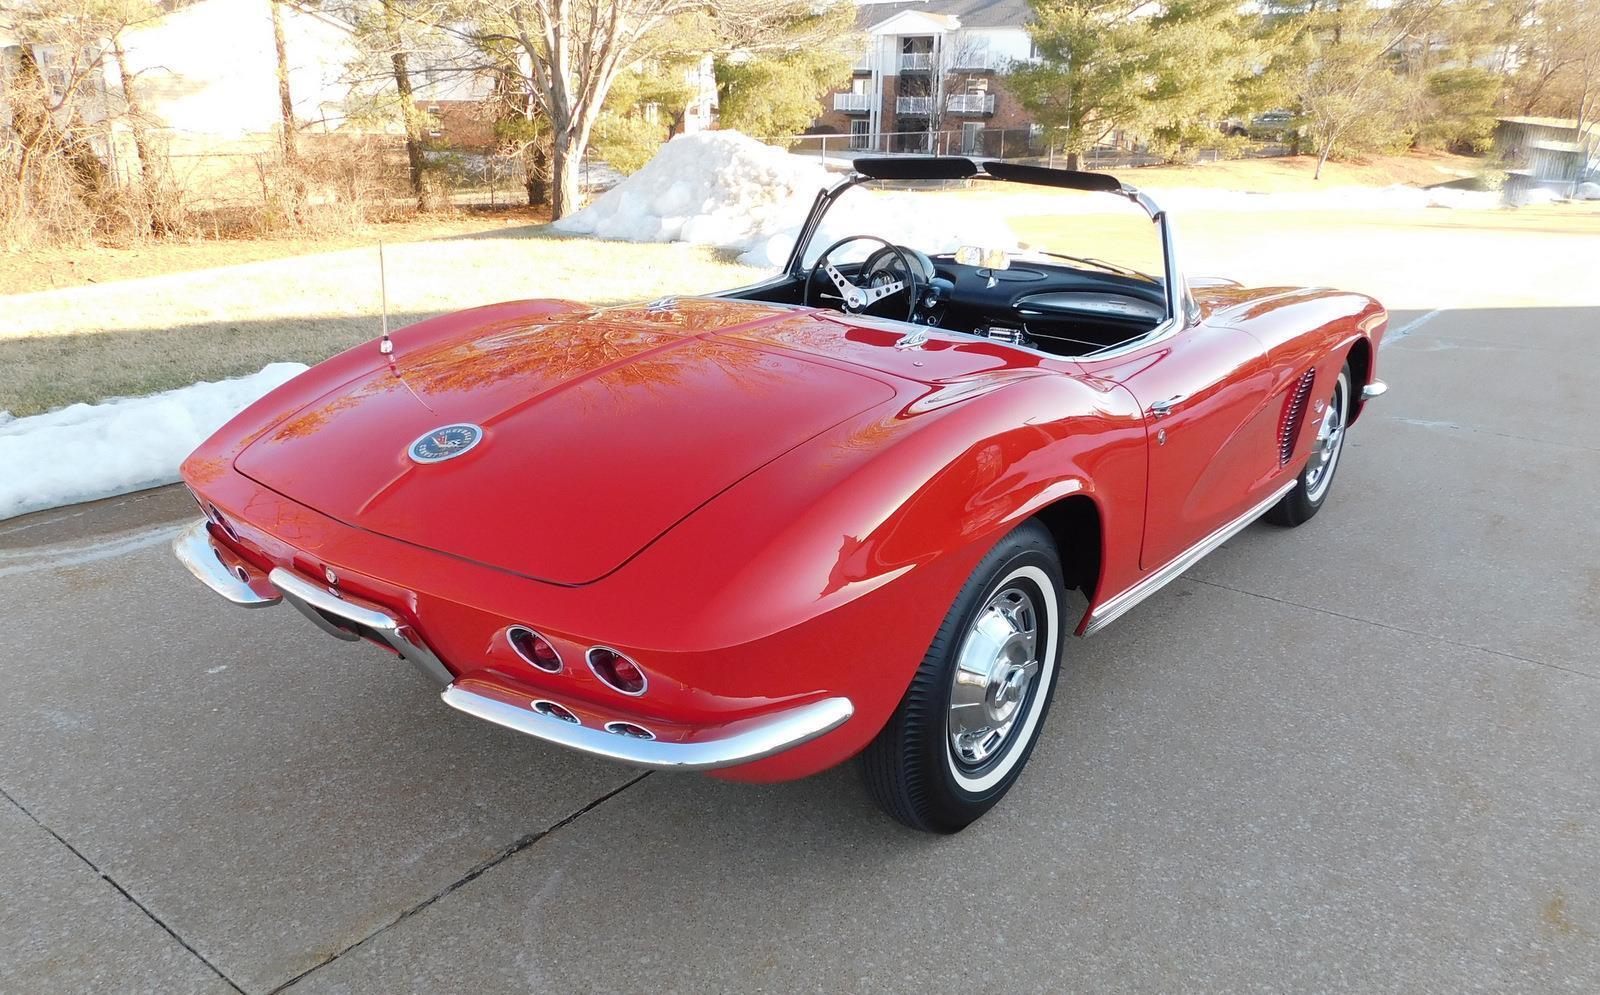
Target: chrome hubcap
x: 995, y: 670
x: 1330, y: 439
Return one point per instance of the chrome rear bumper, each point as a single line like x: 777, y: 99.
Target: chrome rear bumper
x: 349, y: 618
x: 736, y: 743
x: 327, y: 610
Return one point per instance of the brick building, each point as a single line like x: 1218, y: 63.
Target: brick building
x: 929, y: 78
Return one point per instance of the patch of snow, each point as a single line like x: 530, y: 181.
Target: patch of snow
x: 88, y: 451
x: 1536, y: 196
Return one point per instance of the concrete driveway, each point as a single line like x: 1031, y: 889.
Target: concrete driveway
x: 1358, y: 755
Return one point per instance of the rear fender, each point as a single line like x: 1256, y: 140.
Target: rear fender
x: 856, y: 546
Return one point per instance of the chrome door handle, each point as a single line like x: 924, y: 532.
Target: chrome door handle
x: 1161, y: 409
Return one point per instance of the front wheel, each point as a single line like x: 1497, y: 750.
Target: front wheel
x: 1311, y: 490
x: 968, y: 722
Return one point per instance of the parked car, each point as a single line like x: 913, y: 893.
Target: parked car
x: 835, y: 513
x: 1276, y: 126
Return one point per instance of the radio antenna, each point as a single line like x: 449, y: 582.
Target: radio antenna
x: 386, y: 344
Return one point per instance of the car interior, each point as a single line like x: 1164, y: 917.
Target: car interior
x: 1062, y: 305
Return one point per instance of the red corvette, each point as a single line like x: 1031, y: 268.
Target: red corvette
x: 762, y: 532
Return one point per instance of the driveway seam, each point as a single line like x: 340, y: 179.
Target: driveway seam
x: 521, y: 844
x: 1415, y: 323
x: 108, y: 879
x: 1400, y: 628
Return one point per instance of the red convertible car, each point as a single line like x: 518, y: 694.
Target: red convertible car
x: 836, y: 513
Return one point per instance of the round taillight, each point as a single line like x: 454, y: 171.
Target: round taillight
x: 534, y: 648
x: 554, y: 710
x: 629, y: 730
x: 221, y: 523
x: 616, y: 671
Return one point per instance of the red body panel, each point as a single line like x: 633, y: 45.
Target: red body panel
x: 760, y: 505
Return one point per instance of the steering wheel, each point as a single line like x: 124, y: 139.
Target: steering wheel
x: 858, y: 299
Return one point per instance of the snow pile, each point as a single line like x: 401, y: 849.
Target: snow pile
x: 711, y: 188
x: 725, y: 189
x: 88, y: 451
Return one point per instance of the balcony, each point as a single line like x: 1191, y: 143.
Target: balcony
x: 852, y: 103
x: 970, y: 103
x: 915, y: 106
x: 916, y: 61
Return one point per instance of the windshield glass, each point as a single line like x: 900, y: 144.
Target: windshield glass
x: 1006, y: 223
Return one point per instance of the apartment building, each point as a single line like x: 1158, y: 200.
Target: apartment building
x: 929, y: 77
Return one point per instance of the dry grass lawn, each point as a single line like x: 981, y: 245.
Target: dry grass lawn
x: 50, y: 269
x: 1294, y: 173
x: 141, y: 336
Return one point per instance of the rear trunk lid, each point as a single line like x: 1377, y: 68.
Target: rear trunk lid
x: 601, y: 430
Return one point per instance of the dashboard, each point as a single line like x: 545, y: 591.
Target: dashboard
x: 1050, y: 306
x: 1058, y: 309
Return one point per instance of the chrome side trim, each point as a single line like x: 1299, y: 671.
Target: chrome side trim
x: 1115, y: 607
x: 226, y: 574
x: 313, y: 602
x: 755, y: 739
x: 1376, y: 388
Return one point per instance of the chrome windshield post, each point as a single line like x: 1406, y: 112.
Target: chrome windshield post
x: 819, y: 207
x: 1179, y: 305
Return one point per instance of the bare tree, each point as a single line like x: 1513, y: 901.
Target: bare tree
x: 285, y: 100
x: 399, y: 64
x: 1559, y: 48
x: 136, y: 117
x: 1352, y: 92
x: 395, y: 41
x: 567, y: 54
x: 56, y: 123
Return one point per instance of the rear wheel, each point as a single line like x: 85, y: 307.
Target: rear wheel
x: 968, y: 722
x: 1311, y: 489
